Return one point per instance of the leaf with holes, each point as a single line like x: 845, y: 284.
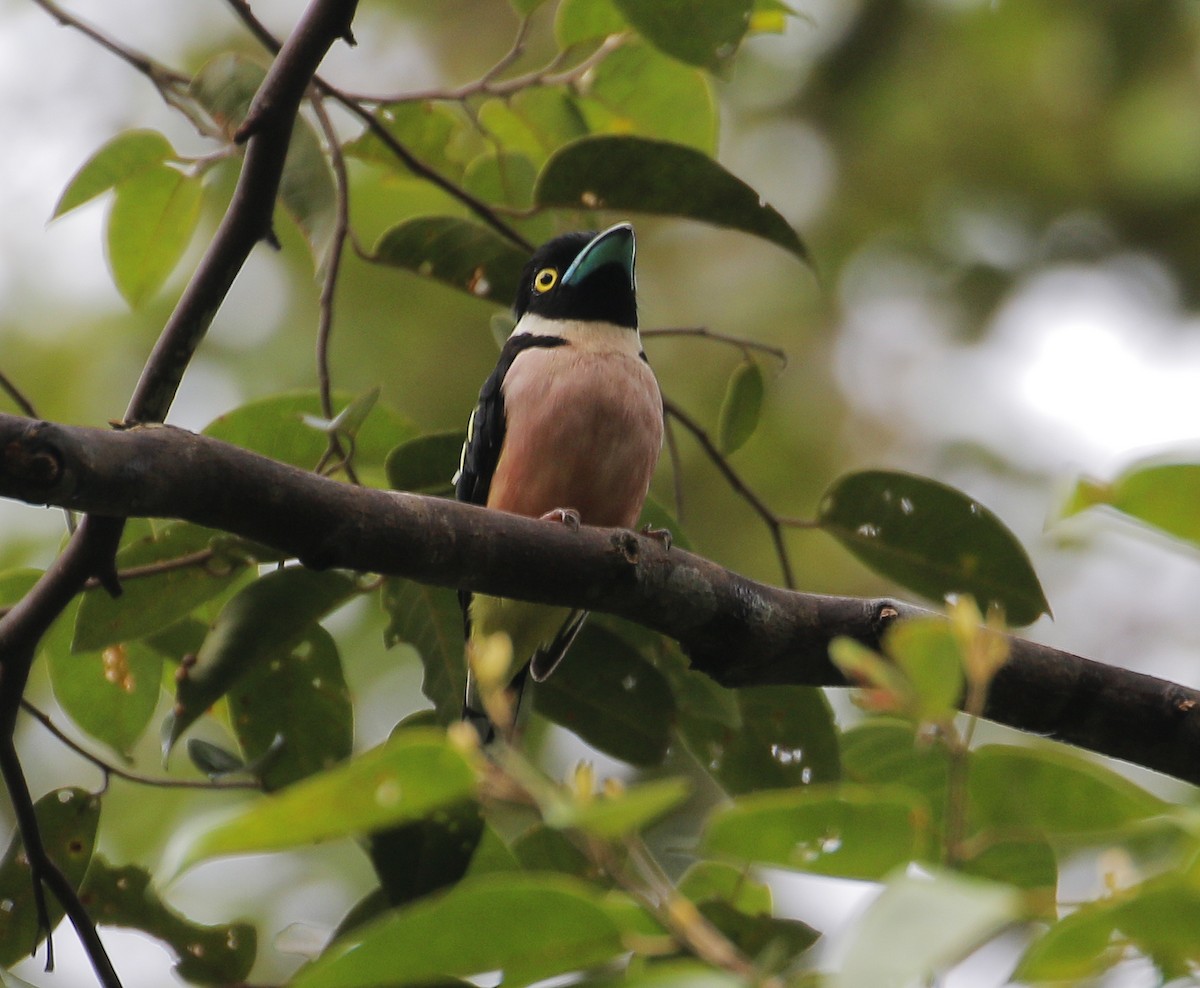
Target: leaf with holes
x: 68, y: 820
x: 296, y: 706
x: 651, y: 176
x: 459, y: 253
x: 530, y: 926
x: 264, y: 621
x: 933, y: 540
x: 204, y: 955
x: 431, y: 621
x: 406, y: 778
x: 608, y: 694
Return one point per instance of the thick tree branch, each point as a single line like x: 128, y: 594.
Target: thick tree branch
x: 736, y: 630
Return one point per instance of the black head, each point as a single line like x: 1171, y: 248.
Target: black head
x: 586, y: 276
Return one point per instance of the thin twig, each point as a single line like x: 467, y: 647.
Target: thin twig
x: 109, y: 769
x: 329, y: 283
x: 740, y: 487
x: 17, y: 396
x: 477, y: 206
x: 741, y: 342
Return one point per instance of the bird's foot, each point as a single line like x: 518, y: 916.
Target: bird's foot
x: 564, y: 516
x: 661, y: 535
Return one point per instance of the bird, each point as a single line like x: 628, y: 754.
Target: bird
x: 568, y: 428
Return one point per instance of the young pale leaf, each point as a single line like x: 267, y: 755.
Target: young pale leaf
x: 274, y: 427
x: 928, y: 654
x: 460, y: 253
x: 932, y: 539
x: 920, y: 925
x: 406, y: 778
x: 205, y: 955
x: 120, y: 159
x: 530, y: 927
x: 264, y: 621
x: 742, y: 407
x: 785, y: 737
x: 67, y: 820
x: 505, y: 178
x: 427, y: 130
x: 619, y: 814
x: 431, y: 621
x: 425, y: 465
x: 649, y: 176
x: 1164, y: 495
x: 700, y: 32
x: 297, y: 708
x: 1051, y: 791
x: 636, y: 90
x: 848, y: 831
x: 152, y: 602
x: 153, y: 217
x: 612, y: 697
x: 577, y: 21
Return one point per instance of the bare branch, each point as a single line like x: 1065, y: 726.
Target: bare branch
x: 738, y: 631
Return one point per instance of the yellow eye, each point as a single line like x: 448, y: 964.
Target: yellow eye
x: 545, y: 279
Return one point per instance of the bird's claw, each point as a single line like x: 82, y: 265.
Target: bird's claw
x: 661, y: 535
x: 564, y: 516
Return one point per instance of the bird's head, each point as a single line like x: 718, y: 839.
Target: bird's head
x: 582, y: 276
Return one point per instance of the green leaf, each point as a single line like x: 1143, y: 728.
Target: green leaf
x: 1164, y: 495
x: 151, y: 603
x: 406, y: 778
x: 460, y: 253
x: 110, y: 694
x: 761, y: 934
x: 431, y: 621
x: 308, y: 194
x: 427, y: 130
x: 715, y: 881
x: 577, y: 21
x: 672, y: 974
x: 742, y: 407
x: 933, y: 540
x: 1054, y: 792
x: 849, y: 831
x: 1029, y: 865
x: 225, y: 87
x: 425, y: 465
x: 416, y: 858
x: 534, y: 123
x: 700, y: 32
x: 542, y: 848
x: 67, y: 820
x: 616, y: 815
x: 297, y: 707
x: 504, y: 179
x: 637, y: 91
x: 530, y: 927
x: 275, y: 427
x: 641, y: 175
x: 786, y: 738
x: 920, y: 925
x: 153, y: 217
x: 204, y: 955
x: 609, y: 695
x: 262, y: 622
x: 883, y: 751
x: 125, y: 156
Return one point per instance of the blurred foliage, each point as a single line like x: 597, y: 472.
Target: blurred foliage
x: 949, y: 151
